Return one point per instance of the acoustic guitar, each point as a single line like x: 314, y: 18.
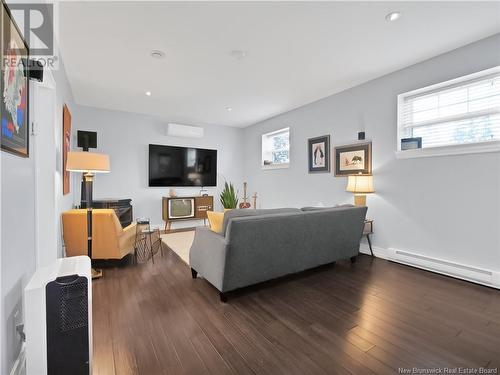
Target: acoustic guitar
x: 245, y: 204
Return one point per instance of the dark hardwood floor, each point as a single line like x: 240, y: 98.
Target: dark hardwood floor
x: 369, y: 317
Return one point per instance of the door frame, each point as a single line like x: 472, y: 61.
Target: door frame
x: 45, y: 88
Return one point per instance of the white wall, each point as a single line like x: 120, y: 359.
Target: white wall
x: 442, y: 207
x: 17, y: 246
x: 18, y: 224
x: 126, y: 136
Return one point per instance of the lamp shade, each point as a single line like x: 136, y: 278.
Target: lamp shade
x: 79, y: 161
x: 360, y: 184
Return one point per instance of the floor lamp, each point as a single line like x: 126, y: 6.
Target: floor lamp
x: 88, y: 163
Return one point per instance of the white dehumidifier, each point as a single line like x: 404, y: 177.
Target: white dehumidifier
x: 58, y: 318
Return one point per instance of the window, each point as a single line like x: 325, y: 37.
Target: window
x: 276, y: 149
x: 461, y: 113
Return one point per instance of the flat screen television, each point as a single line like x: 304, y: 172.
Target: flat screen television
x: 182, y: 166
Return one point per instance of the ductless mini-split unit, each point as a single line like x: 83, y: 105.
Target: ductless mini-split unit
x: 188, y: 131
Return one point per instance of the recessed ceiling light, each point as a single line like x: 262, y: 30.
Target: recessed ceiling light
x: 148, y: 93
x: 238, y: 53
x: 393, y: 16
x: 157, y: 54
x: 229, y: 109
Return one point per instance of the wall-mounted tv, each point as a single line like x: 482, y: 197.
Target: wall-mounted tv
x: 182, y: 166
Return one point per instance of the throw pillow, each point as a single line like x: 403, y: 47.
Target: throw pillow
x: 215, y: 220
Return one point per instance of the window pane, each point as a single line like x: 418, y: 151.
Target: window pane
x: 430, y: 114
x: 484, y: 89
x: 453, y: 109
x: 476, y: 96
x: 485, y: 103
x: 453, y: 96
x: 485, y: 128
x: 275, y: 147
x: 280, y: 142
x: 461, y: 111
x: 280, y: 157
x: 425, y: 103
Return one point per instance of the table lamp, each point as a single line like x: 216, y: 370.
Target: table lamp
x: 360, y: 185
x: 88, y: 163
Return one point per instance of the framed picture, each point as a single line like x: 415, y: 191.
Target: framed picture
x: 319, y: 154
x: 353, y: 159
x: 66, y: 147
x: 411, y: 143
x: 14, y: 88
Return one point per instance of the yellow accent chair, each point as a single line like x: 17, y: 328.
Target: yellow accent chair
x: 109, y: 239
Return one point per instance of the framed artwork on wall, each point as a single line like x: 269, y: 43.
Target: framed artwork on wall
x: 66, y: 143
x: 14, y: 88
x: 319, y: 154
x: 353, y: 159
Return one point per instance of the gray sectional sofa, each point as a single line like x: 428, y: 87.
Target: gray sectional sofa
x: 260, y: 245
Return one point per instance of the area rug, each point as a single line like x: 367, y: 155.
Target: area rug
x: 180, y: 243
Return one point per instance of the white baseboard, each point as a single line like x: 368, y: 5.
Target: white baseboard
x: 20, y: 364
x: 379, y: 252
x: 460, y: 271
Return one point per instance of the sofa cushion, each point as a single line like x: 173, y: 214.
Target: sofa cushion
x: 215, y: 220
x: 251, y: 212
x: 326, y: 208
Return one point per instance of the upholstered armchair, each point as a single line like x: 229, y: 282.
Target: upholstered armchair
x: 109, y: 239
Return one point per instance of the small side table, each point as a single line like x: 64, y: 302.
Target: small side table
x: 153, y: 235
x: 142, y: 223
x: 367, y: 230
x: 147, y: 241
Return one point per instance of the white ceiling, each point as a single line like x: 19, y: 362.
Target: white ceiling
x: 296, y: 52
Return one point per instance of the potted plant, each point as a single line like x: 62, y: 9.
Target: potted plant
x: 228, y: 197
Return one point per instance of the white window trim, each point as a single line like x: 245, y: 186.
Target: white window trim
x: 281, y: 165
x: 276, y: 166
x: 461, y: 149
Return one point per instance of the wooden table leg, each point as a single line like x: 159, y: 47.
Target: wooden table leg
x: 168, y: 225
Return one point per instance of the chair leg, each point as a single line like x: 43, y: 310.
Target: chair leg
x: 194, y: 273
x: 354, y: 259
x: 223, y: 297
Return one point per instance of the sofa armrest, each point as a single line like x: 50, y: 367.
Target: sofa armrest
x: 208, y: 256
x: 126, y: 239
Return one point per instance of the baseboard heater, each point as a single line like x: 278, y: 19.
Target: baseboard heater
x: 461, y: 271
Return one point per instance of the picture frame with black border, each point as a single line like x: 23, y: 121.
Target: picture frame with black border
x: 319, y: 154
x: 353, y: 159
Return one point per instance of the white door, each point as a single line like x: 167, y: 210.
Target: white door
x: 45, y: 154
